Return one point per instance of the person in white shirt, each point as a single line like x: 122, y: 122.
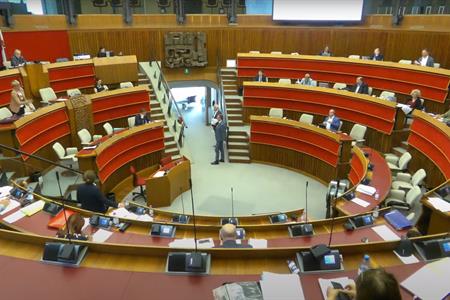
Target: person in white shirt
x: 307, y: 80
x: 425, y: 60
x: 332, y: 122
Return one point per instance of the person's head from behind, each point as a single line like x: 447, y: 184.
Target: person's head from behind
x: 75, y: 223
x: 425, y: 52
x: 415, y: 94
x: 17, y: 53
x: 377, y: 284
x: 228, y: 232
x: 89, y: 177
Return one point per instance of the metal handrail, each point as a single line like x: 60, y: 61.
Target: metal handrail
x: 162, y: 81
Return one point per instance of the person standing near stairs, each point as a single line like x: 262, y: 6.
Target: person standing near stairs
x: 220, y: 133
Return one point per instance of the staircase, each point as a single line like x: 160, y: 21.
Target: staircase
x: 238, y: 146
x: 156, y: 114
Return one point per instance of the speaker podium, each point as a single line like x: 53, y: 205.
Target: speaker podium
x: 167, y: 183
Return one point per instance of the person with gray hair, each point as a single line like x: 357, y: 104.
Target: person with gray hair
x: 17, y: 60
x: 228, y: 237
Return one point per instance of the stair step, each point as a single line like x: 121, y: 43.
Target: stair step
x: 237, y: 138
x: 172, y: 151
x: 166, y: 128
x: 405, y: 144
x: 235, y: 123
x: 237, y: 133
x: 228, y: 69
x: 238, y: 152
x: 233, y: 101
x: 239, y: 159
x: 170, y: 145
x: 237, y: 145
x: 234, y: 105
x: 175, y: 157
x: 231, y: 97
x: 157, y: 111
x: 234, y: 110
x: 234, y: 117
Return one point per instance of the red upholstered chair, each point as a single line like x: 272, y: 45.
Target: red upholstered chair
x: 138, y: 182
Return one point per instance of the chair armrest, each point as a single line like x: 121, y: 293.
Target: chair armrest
x: 392, y: 159
x: 71, y: 150
x: 406, y: 177
x: 397, y: 194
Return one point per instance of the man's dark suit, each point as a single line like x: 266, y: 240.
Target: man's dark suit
x: 91, y: 198
x: 430, y: 61
x: 139, y: 120
x: 17, y: 61
x: 232, y: 244
x: 378, y: 57
x: 220, y: 133
x: 363, y: 89
x: 261, y: 78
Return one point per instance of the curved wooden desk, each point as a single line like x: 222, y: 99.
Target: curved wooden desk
x: 117, y: 105
x: 380, y: 117
x: 141, y: 146
x: 300, y: 146
x: 429, y: 144
x: 383, y: 75
x: 358, y: 166
x: 116, y: 69
x: 63, y: 76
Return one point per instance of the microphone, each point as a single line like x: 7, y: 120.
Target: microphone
x: 183, y: 219
x: 305, y: 229
x: 232, y: 219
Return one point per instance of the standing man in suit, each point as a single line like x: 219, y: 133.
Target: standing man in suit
x: 141, y: 118
x: 260, y: 77
x: 360, y: 87
x: 425, y: 60
x: 377, y: 55
x: 228, y: 237
x: 332, y: 122
x: 220, y: 133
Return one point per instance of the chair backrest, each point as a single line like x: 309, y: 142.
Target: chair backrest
x: 358, y: 132
x: 306, y: 118
x: 437, y: 65
x: 418, y: 177
x: 370, y: 90
x: 405, y: 61
x: 295, y: 53
x: 284, y: 81
x: 108, y: 128
x: 353, y: 56
x: 5, y: 113
x: 62, y: 59
x: 131, y: 121
x: 276, y: 112
x: 404, y: 160
x: 413, y: 196
x: 276, y: 52
x: 313, y: 82
x: 85, y: 136
x: 387, y: 95
x: 340, y: 125
x: 254, y: 52
x: 339, y: 86
x: 47, y: 94
x: 127, y: 84
x: 73, y: 92
x: 59, y: 150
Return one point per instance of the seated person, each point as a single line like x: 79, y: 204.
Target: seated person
x: 331, y: 122
x: 99, y: 86
x: 260, y: 77
x: 445, y: 116
x: 73, y: 228
x: 373, y: 284
x: 307, y: 80
x: 360, y: 87
x: 90, y: 196
x: 18, y: 101
x: 101, y: 52
x: 17, y: 60
x: 416, y: 102
x: 376, y: 55
x: 325, y: 52
x: 228, y: 237
x: 141, y: 118
x: 425, y: 60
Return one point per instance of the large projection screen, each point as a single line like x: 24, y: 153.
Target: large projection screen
x: 317, y: 10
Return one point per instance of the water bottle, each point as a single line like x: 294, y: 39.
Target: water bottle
x: 293, y: 267
x: 365, y: 265
x: 376, y: 212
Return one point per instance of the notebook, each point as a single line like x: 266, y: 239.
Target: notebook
x: 397, y: 220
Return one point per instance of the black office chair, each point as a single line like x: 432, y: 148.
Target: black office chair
x: 116, y: 3
x: 100, y: 3
x: 212, y: 3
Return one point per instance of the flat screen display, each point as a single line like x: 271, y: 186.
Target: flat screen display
x: 329, y: 259
x: 317, y: 10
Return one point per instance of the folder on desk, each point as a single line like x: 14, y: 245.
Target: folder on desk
x: 33, y: 208
x: 397, y: 220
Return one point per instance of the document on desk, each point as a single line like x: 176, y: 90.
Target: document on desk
x: 258, y: 243
x: 419, y: 283
x: 101, y: 235
x: 33, y: 208
x: 281, y: 286
x: 12, y: 204
x: 182, y: 243
x: 4, y: 191
x: 89, y: 147
x: 386, y: 233
x: 360, y: 202
x: 121, y: 212
x: 159, y: 174
x: 439, y: 204
x: 366, y: 189
x: 406, y: 108
x: 326, y: 283
x: 407, y: 260
x: 14, y: 217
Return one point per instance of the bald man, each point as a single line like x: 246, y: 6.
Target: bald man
x: 228, y: 237
x: 17, y: 60
x: 360, y: 87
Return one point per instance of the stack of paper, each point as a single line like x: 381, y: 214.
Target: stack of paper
x: 436, y: 272
x: 281, y: 286
x: 407, y: 259
x: 159, y: 174
x: 366, y: 189
x: 326, y: 283
x: 4, y: 191
x: 360, y: 202
x: 33, y: 208
x: 439, y: 204
x: 12, y: 204
x: 121, y: 212
x: 101, y: 235
x: 14, y: 217
x: 258, y: 243
x: 125, y: 214
x: 386, y: 233
x: 189, y: 243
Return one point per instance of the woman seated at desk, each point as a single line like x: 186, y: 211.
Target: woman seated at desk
x: 90, y: 196
x: 99, y: 86
x: 18, y: 101
x: 416, y: 102
x: 73, y: 230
